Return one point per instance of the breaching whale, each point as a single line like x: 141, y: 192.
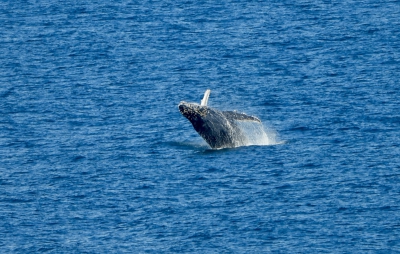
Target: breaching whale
x: 218, y: 128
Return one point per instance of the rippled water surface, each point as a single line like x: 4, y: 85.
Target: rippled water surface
x: 96, y: 158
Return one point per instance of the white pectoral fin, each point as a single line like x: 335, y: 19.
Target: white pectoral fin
x: 204, y: 101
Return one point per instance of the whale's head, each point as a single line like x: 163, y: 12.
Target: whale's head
x: 193, y: 111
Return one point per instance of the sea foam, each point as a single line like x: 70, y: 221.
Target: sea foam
x: 256, y: 134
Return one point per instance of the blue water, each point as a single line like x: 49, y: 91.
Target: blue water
x: 95, y: 156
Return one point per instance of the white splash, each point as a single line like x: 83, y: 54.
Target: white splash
x: 256, y: 134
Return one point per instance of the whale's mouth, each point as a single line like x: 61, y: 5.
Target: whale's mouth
x: 185, y: 107
x: 192, y: 110
x: 187, y: 110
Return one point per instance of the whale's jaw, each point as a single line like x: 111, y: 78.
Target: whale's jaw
x: 192, y: 111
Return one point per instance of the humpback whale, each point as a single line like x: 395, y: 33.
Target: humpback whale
x: 218, y: 128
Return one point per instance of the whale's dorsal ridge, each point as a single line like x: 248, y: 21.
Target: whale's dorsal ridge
x: 204, y: 101
x: 234, y: 115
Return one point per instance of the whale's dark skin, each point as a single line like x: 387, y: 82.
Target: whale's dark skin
x: 218, y: 128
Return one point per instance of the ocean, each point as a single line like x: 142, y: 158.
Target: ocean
x: 95, y: 156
